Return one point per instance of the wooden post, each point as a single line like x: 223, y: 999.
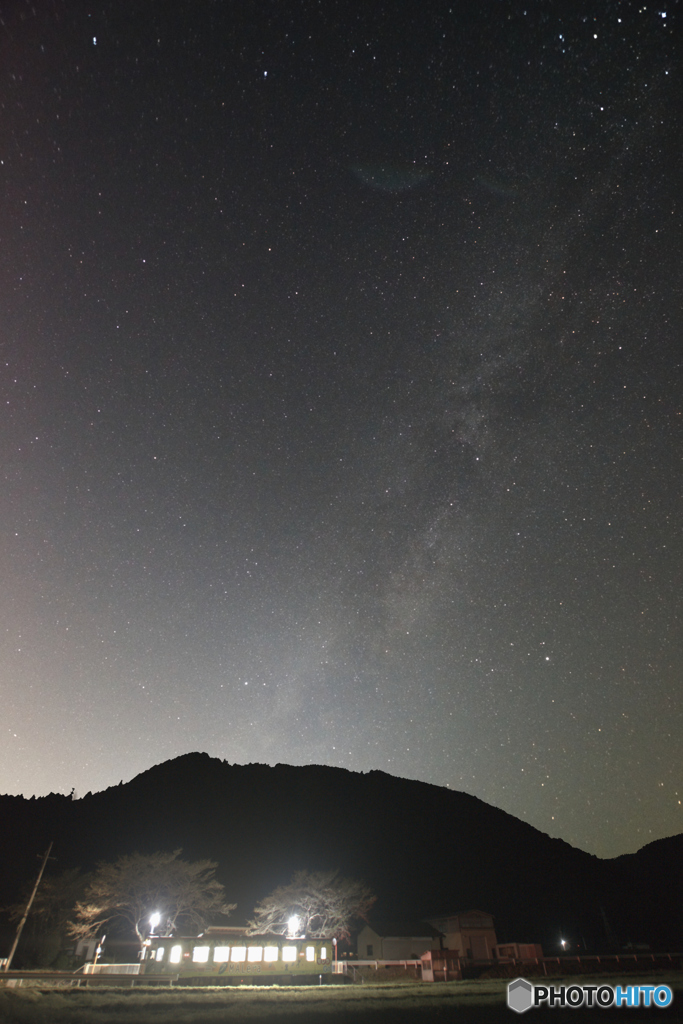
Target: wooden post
x: 28, y: 907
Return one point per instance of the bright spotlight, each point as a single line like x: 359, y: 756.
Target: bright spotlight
x: 154, y: 919
x: 293, y: 925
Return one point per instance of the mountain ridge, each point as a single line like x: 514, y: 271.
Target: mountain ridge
x: 422, y: 848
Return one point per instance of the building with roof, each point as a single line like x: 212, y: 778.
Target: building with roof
x: 397, y: 941
x: 470, y: 932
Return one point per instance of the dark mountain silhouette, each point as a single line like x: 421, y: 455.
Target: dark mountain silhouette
x: 423, y: 849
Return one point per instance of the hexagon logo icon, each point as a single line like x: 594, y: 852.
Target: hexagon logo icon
x: 520, y: 995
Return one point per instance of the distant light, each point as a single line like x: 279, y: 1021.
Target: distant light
x: 293, y: 925
x: 94, y: 40
x: 154, y: 919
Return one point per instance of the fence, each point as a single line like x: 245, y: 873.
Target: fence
x: 111, y: 968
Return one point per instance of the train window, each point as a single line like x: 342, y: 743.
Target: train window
x: 310, y: 953
x: 160, y: 953
x: 200, y: 954
x: 221, y: 954
x: 289, y: 954
x: 323, y: 952
x: 270, y: 954
x: 176, y: 954
x: 239, y: 953
x: 255, y: 954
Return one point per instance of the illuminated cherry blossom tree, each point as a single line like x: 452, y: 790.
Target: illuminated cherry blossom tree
x: 321, y: 905
x: 136, y: 886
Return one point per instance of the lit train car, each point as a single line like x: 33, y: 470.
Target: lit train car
x: 211, y: 959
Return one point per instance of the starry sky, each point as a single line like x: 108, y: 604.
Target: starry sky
x: 340, y: 351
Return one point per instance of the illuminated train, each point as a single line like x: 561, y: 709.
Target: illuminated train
x: 226, y: 956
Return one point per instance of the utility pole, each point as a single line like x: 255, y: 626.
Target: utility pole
x: 20, y: 929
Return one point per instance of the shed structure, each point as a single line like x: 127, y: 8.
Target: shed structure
x: 397, y: 941
x: 518, y: 951
x: 470, y: 932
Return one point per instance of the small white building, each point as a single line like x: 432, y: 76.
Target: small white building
x: 397, y: 941
x: 470, y: 932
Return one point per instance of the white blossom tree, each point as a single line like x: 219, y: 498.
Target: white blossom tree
x: 324, y: 905
x: 136, y: 886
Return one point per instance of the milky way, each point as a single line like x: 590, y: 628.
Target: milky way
x: 341, y: 390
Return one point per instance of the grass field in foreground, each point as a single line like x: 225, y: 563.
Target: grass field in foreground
x: 477, y: 1002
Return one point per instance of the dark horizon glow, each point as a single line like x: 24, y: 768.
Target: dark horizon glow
x: 341, y: 399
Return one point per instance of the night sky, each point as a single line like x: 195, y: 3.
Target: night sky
x: 341, y: 350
